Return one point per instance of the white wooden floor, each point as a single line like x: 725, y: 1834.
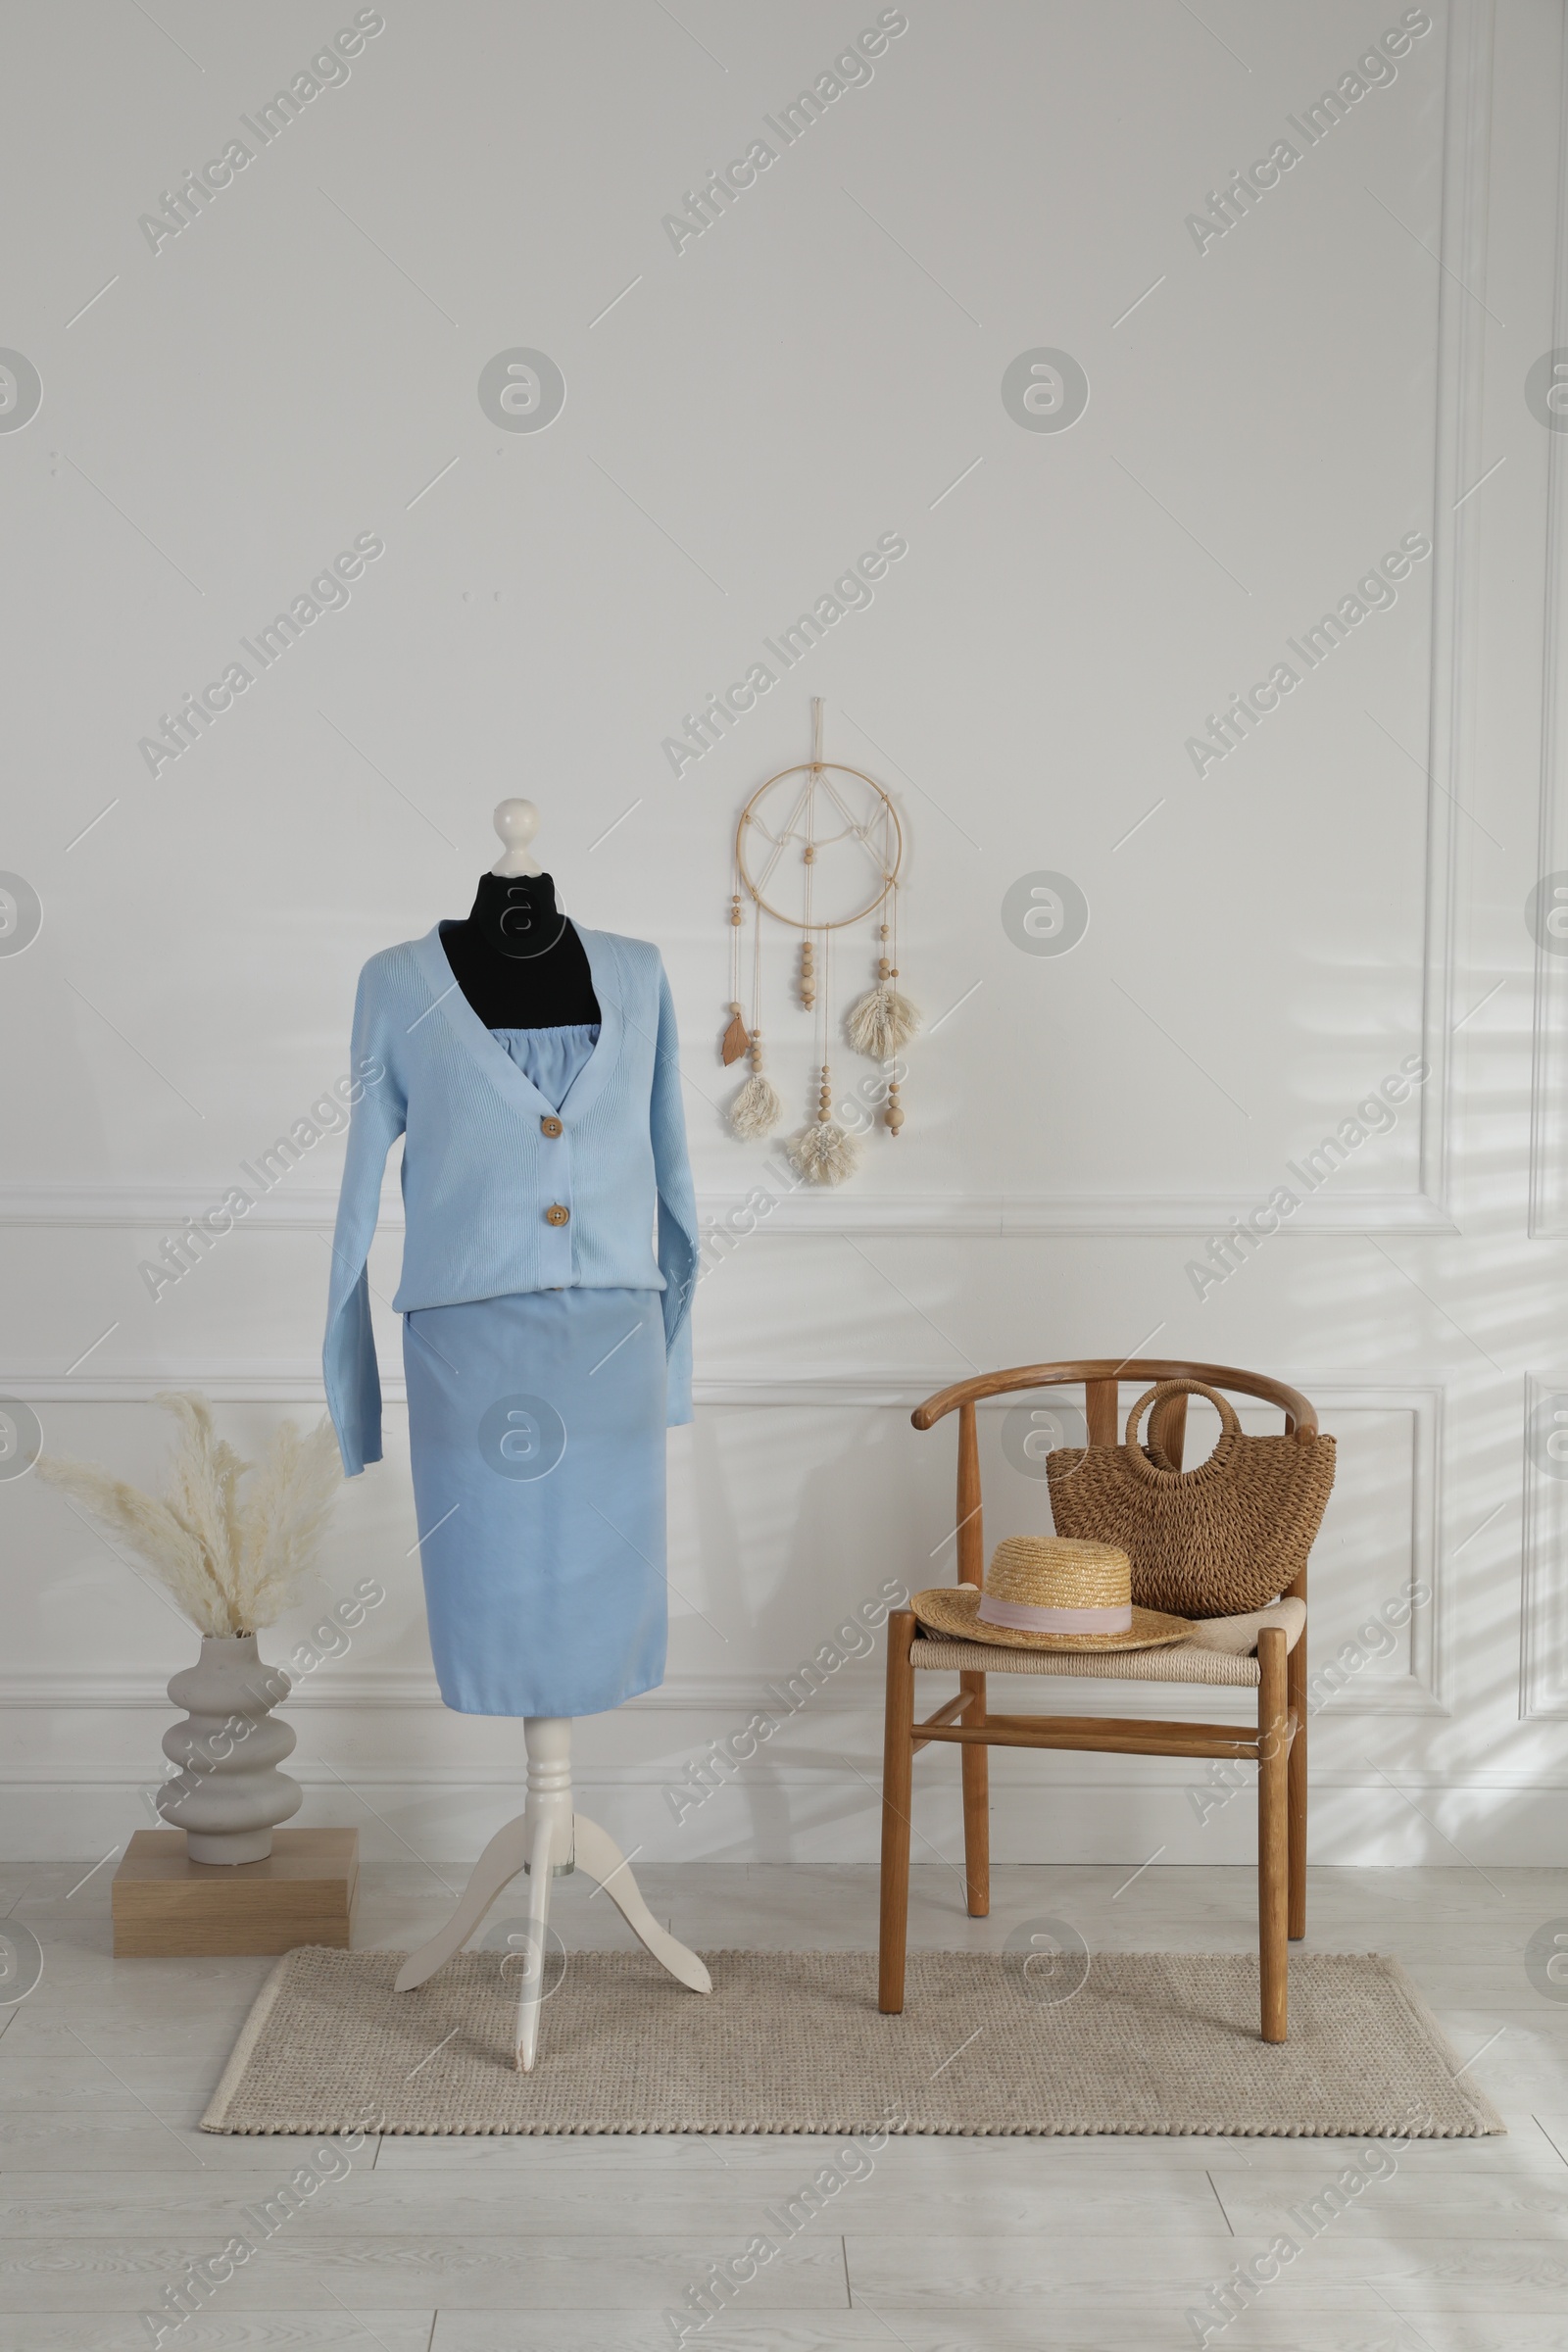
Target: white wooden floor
x: 487, y: 2245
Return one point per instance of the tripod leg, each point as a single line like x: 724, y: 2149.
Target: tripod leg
x: 496, y: 1868
x: 602, y: 1858
x: 534, y: 1964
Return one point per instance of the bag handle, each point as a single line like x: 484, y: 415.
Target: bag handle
x: 1230, y: 1424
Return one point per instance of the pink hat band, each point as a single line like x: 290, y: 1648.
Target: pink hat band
x: 1027, y: 1617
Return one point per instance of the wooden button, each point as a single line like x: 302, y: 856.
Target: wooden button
x: 558, y: 1215
x: 550, y: 1127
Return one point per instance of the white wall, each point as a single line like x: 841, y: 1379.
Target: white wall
x: 1344, y: 889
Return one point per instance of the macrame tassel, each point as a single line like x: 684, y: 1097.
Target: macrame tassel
x: 882, y: 1023
x: 756, y: 1109
x: 822, y: 1152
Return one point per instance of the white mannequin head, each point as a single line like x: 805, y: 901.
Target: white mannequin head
x: 516, y: 822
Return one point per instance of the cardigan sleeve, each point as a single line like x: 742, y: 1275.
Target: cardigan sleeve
x: 376, y: 1120
x: 677, y: 1208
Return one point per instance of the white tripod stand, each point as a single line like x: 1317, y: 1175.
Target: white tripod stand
x: 548, y: 1838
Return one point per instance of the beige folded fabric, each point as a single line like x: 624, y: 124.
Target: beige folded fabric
x: 1238, y: 1636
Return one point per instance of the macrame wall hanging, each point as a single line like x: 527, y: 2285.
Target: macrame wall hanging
x: 818, y: 849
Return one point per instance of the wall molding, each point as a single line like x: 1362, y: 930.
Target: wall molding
x: 725, y: 1700
x: 161, y: 1208
x: 1548, y: 1077
x: 297, y: 1380
x: 1422, y: 1692
x: 1543, y: 1593
x: 1457, y: 526
x: 1456, y: 549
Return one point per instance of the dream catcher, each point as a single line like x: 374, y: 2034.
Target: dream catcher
x: 818, y: 847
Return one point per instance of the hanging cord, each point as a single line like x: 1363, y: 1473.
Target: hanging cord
x: 808, y: 857
x: 756, y: 1109
x: 757, y: 979
x: 734, y: 1041
x: 824, y: 1152
x: 892, y: 1110
x: 735, y: 931
x: 827, y: 1002
x: 883, y: 1021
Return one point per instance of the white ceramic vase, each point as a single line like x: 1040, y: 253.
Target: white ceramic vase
x: 229, y: 1794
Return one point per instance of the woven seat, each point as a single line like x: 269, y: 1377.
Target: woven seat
x: 1201, y: 1661
x: 1265, y: 1653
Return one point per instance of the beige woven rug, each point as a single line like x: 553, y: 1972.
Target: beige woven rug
x: 793, y: 2041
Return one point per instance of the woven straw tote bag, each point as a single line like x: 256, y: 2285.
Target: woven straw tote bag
x: 1228, y: 1537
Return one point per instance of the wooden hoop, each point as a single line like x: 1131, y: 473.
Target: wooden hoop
x: 816, y: 767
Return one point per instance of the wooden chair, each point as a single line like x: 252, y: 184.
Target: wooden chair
x: 1278, y: 1673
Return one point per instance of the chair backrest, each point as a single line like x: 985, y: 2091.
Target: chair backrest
x: 1102, y: 1378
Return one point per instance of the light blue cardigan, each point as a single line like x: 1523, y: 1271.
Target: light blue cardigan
x: 480, y: 1167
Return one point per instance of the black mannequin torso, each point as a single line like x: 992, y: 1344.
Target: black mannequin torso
x: 518, y: 961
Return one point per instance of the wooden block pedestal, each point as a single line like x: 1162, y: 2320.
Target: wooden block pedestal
x: 166, y: 1907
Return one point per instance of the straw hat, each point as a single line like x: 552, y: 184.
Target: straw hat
x: 1045, y: 1592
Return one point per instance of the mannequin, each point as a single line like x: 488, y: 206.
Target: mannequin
x: 520, y: 965
x: 517, y: 959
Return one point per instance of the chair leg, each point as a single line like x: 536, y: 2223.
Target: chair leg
x: 898, y: 1779
x: 976, y: 1804
x: 1273, y: 1831
x: 1296, y: 1682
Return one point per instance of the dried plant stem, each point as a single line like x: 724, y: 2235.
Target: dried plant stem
x: 232, y: 1542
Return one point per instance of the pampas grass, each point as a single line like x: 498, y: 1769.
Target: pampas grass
x: 232, y: 1542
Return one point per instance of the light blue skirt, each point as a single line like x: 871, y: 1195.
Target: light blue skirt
x: 536, y: 1426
